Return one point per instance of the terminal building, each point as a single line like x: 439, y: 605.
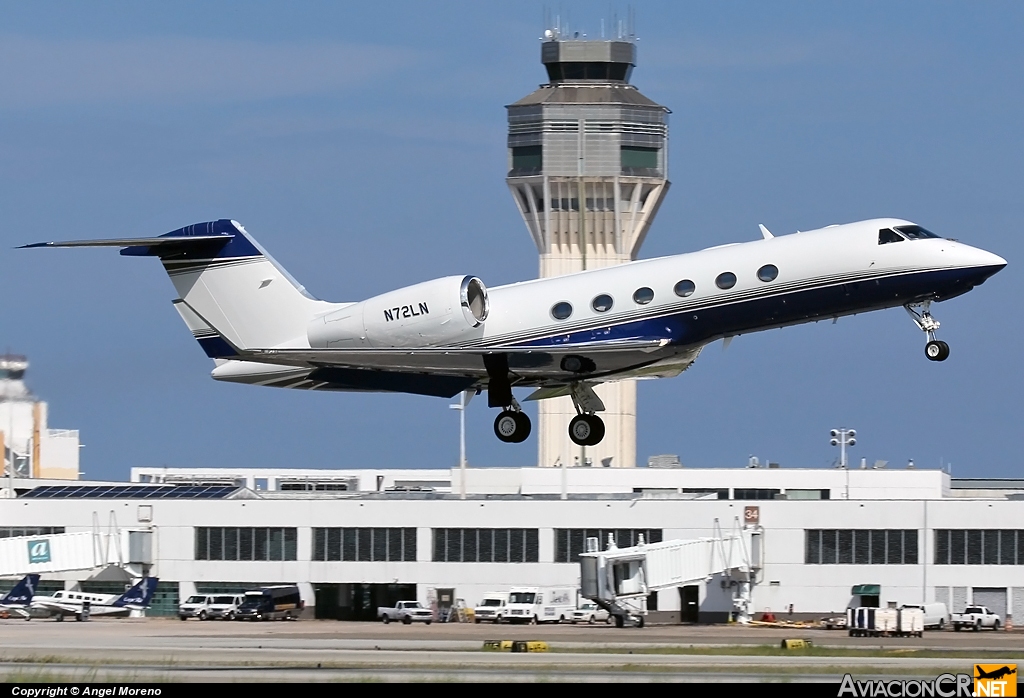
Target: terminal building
x: 357, y: 539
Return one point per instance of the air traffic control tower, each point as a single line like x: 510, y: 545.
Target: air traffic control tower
x: 588, y: 169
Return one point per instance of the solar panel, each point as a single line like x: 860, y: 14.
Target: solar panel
x: 130, y: 492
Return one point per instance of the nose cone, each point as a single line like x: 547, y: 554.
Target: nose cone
x: 979, y: 258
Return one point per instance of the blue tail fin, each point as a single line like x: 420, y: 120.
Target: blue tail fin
x: 139, y: 595
x: 22, y: 593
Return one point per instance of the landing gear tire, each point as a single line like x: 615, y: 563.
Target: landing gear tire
x: 936, y: 350
x: 512, y: 427
x: 619, y: 621
x: 586, y: 430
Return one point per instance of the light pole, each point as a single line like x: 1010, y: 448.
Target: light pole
x: 464, y: 397
x: 843, y: 438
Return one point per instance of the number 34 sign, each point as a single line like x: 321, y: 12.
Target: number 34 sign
x: 752, y: 516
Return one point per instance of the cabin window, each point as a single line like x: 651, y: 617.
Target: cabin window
x: 685, y: 288
x: 768, y: 272
x: 887, y: 235
x: 916, y: 232
x: 561, y: 310
x: 725, y: 280
x: 602, y: 303
x: 643, y: 296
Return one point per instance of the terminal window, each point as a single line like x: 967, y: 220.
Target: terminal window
x: 755, y: 493
x: 11, y: 532
x: 486, y: 545
x: 860, y: 546
x: 570, y: 542
x: 974, y: 546
x: 364, y: 544
x: 240, y: 543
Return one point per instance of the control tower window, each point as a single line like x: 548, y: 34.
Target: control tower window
x: 916, y: 232
x: 887, y: 235
x: 635, y: 157
x: 557, y: 72
x: 527, y: 158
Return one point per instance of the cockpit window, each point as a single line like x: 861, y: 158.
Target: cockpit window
x: 916, y: 232
x: 887, y: 235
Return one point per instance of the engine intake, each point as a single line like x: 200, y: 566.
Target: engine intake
x: 434, y: 313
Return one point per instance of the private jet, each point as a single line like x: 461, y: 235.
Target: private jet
x: 559, y: 336
x: 19, y: 598
x: 83, y: 606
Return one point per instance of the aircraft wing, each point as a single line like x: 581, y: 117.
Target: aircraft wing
x: 57, y: 608
x: 606, y: 358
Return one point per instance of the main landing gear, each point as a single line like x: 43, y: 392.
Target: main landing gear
x: 512, y: 426
x: 920, y: 313
x: 586, y: 428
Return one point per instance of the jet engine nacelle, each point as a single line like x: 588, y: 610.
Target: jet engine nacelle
x: 434, y: 313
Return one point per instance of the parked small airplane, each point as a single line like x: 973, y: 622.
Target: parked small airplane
x: 82, y: 605
x: 19, y: 598
x: 561, y: 335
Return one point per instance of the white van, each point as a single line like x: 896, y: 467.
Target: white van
x: 935, y: 614
x: 225, y: 606
x: 491, y: 607
x: 196, y: 606
x: 540, y: 605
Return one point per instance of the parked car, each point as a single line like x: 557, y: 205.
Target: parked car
x: 935, y: 614
x: 281, y: 602
x: 405, y: 611
x: 834, y: 623
x: 975, y: 618
x: 590, y: 613
x: 196, y: 606
x: 225, y: 607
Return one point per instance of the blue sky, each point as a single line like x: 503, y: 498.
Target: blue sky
x: 364, y: 146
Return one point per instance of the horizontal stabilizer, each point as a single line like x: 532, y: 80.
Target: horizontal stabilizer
x: 132, y: 242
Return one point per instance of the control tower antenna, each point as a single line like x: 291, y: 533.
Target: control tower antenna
x: 588, y: 169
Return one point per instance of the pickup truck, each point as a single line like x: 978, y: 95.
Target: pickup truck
x: 976, y: 618
x: 405, y: 611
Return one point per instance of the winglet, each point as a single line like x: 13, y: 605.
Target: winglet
x: 765, y: 232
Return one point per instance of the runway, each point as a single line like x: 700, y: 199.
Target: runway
x: 147, y: 650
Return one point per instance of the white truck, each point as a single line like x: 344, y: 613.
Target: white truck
x: 540, y: 605
x: 975, y: 618
x: 491, y: 607
x: 407, y: 612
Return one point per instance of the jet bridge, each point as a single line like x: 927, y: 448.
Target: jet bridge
x: 619, y: 579
x: 86, y: 550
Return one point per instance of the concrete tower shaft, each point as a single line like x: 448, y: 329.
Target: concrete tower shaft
x: 588, y: 169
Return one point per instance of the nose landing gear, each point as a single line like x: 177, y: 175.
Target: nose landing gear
x: 920, y: 313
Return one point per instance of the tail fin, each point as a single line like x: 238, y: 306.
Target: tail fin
x: 139, y: 595
x: 22, y: 593
x: 226, y: 277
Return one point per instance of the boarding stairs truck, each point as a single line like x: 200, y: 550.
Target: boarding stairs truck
x: 620, y: 579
